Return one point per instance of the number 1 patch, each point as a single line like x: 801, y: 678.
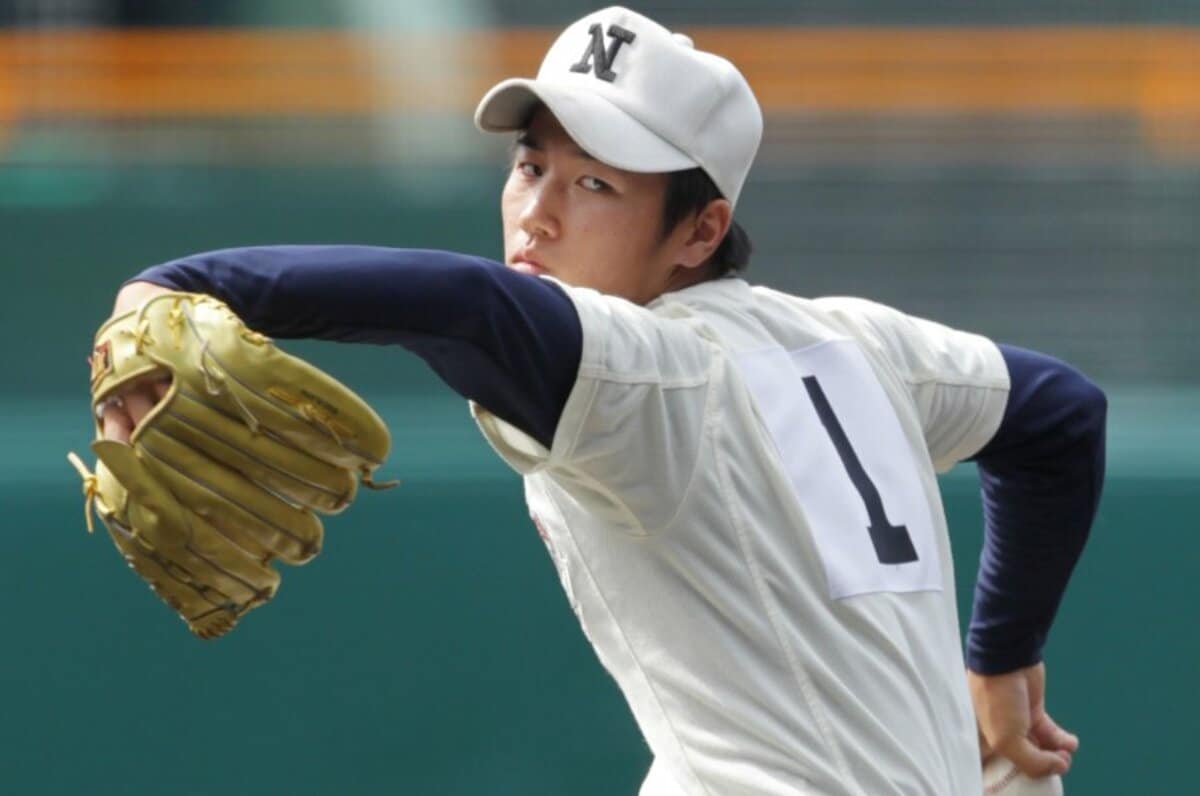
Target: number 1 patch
x: 850, y: 464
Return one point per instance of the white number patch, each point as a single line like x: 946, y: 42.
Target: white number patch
x: 850, y: 465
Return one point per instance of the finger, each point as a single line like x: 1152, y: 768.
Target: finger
x: 138, y: 402
x: 1048, y: 735
x: 1032, y: 761
x: 116, y: 423
x: 159, y: 388
x: 985, y: 748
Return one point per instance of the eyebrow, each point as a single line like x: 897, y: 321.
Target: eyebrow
x: 527, y: 139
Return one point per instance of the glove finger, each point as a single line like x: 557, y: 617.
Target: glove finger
x: 207, y: 612
x: 252, y: 518
x: 277, y: 465
x: 218, y: 561
x: 198, y: 555
x: 305, y: 406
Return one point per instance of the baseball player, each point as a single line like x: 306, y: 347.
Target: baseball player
x: 737, y: 486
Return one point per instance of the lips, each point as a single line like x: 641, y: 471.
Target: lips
x: 527, y: 265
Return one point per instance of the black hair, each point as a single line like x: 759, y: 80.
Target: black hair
x: 689, y: 191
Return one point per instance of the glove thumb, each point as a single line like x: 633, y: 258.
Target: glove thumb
x: 150, y: 507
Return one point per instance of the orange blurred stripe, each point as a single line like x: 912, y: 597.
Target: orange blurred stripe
x: 146, y: 73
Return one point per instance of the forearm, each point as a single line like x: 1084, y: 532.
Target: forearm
x: 507, y: 340
x: 1041, y: 478
x: 348, y: 293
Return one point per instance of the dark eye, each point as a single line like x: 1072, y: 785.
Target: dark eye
x: 595, y: 184
x: 529, y: 169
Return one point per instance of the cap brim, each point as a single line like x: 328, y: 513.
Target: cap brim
x: 601, y: 129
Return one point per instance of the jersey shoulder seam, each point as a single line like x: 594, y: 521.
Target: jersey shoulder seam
x: 598, y: 373
x: 986, y: 383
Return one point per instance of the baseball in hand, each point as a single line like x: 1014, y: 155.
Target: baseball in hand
x: 1001, y: 777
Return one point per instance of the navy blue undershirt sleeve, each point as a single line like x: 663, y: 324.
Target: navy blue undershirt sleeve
x: 1041, y: 477
x: 509, y: 341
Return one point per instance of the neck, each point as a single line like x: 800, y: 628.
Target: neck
x: 682, y: 277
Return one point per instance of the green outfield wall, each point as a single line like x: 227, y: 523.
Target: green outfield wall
x: 429, y: 649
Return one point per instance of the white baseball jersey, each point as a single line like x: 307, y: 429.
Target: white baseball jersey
x: 741, y: 503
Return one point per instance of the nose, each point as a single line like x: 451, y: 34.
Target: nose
x: 539, y: 217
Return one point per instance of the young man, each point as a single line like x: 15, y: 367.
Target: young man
x: 737, y: 486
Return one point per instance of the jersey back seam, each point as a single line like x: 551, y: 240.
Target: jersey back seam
x: 768, y: 604
x: 629, y: 648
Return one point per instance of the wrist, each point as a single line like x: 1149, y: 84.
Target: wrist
x: 133, y: 294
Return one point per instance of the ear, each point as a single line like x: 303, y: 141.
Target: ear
x: 703, y: 233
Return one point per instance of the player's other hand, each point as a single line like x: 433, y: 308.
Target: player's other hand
x: 1013, y: 721
x: 121, y: 413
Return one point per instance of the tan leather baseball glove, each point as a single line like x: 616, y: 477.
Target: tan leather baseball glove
x: 228, y: 470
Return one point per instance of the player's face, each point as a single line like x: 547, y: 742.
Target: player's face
x: 570, y: 216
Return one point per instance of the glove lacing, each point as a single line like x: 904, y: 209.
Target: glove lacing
x: 91, y: 488
x: 214, y: 384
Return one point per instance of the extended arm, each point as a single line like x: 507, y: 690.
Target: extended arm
x: 508, y: 341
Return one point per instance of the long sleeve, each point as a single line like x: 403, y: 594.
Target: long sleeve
x: 509, y: 341
x: 1041, y: 477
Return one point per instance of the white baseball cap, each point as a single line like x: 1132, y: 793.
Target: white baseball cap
x: 637, y: 97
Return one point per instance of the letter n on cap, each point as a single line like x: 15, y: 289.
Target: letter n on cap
x: 603, y: 59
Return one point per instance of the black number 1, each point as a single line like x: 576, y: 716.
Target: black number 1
x: 892, y: 543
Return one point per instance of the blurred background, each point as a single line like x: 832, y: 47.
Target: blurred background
x: 1026, y: 169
